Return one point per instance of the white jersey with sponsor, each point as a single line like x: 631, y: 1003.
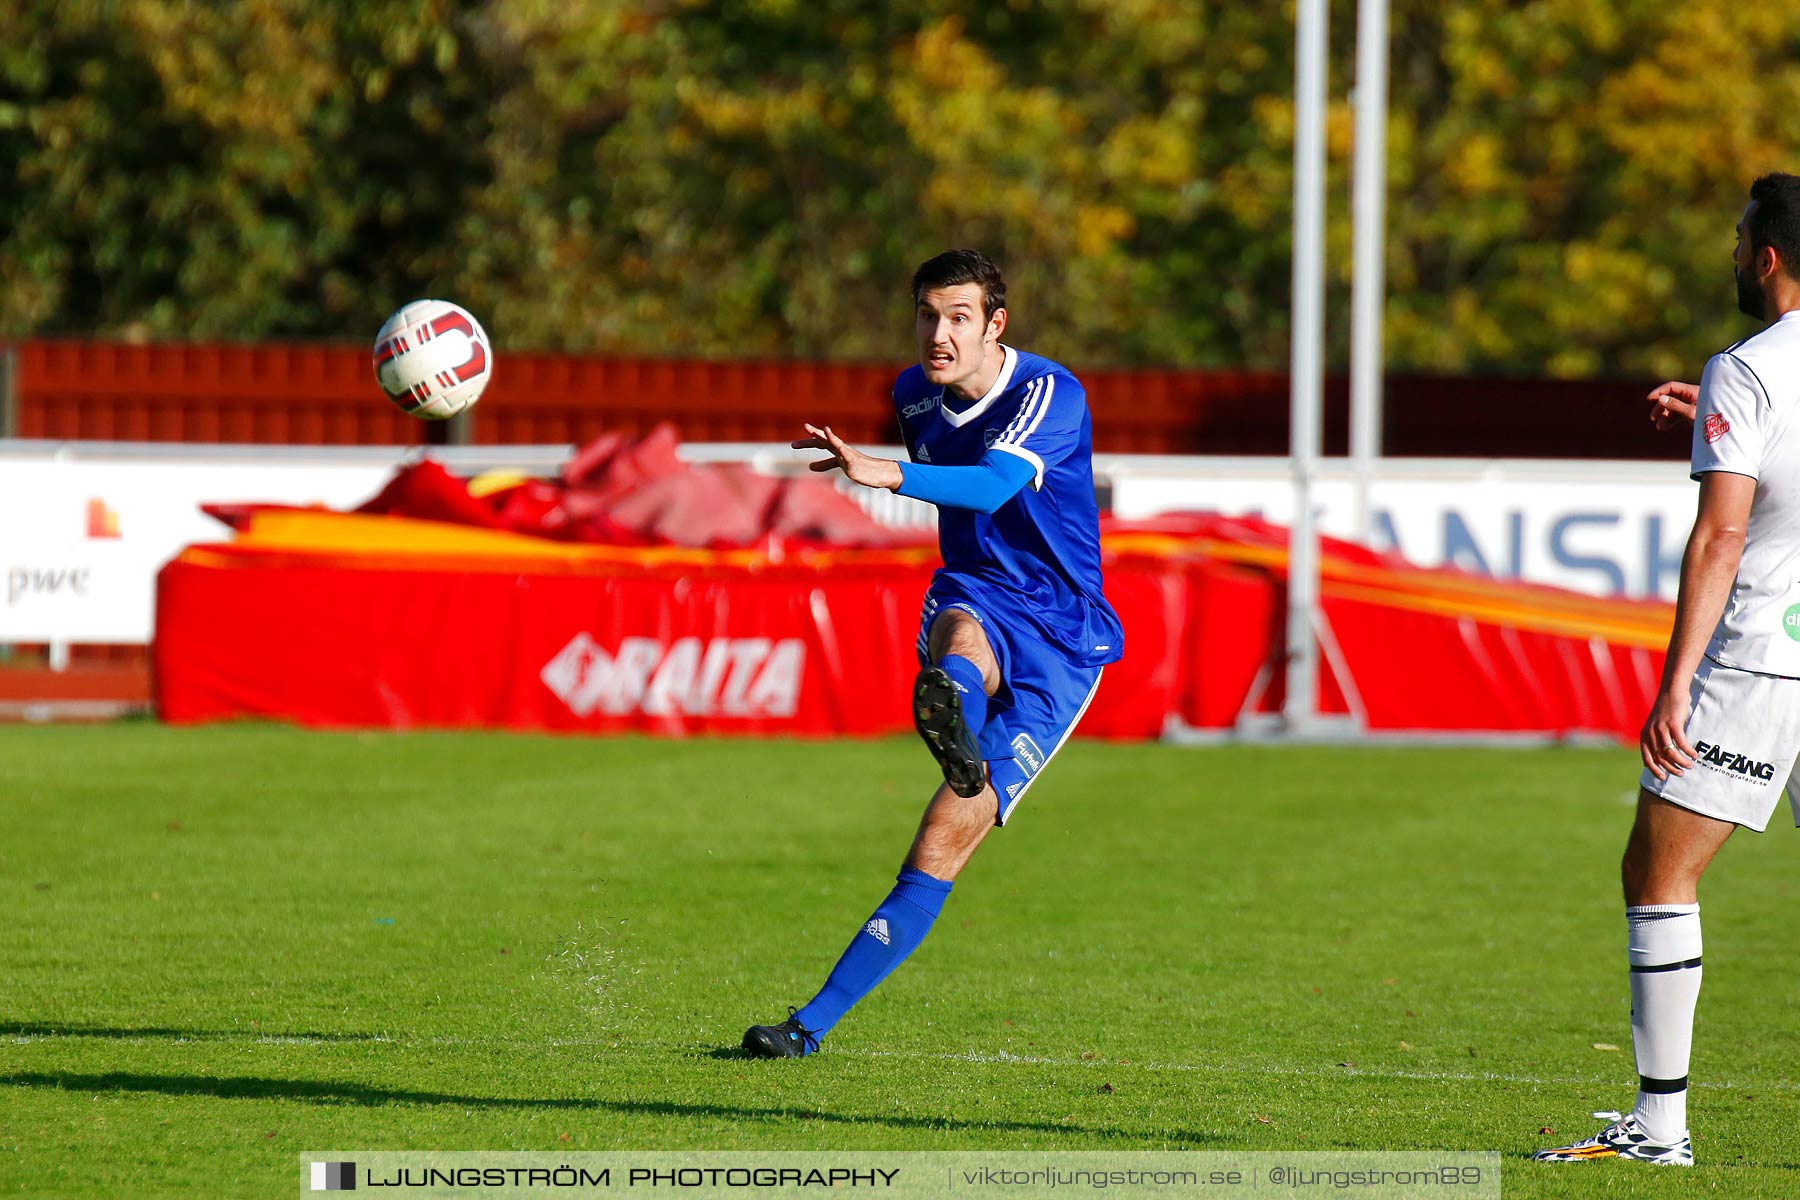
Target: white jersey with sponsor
x: 1748, y: 423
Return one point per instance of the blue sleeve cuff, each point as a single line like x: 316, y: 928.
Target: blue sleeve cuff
x: 983, y: 487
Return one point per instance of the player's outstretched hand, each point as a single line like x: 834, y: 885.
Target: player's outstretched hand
x: 862, y: 468
x: 1672, y: 401
x: 1663, y: 743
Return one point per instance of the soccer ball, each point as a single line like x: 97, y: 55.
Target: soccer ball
x: 432, y: 358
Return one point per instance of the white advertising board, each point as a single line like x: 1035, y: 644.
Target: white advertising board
x: 84, y: 527
x: 1606, y: 528
x: 81, y: 541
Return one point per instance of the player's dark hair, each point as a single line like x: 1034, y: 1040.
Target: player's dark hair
x: 1775, y: 222
x: 953, y: 267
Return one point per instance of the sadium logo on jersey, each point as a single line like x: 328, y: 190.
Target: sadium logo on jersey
x: 1733, y: 764
x: 1790, y: 622
x: 923, y: 406
x: 1715, y: 427
x: 730, y: 677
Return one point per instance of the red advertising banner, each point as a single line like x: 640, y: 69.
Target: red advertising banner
x: 356, y: 621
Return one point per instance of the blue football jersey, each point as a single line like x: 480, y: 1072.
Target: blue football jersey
x: 1042, y: 547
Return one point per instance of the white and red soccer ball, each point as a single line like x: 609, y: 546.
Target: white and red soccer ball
x: 432, y: 358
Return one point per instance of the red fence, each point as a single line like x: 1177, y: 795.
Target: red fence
x: 327, y: 395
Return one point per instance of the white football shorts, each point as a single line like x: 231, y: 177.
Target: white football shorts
x: 1745, y: 731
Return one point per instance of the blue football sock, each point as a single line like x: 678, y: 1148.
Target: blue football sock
x: 967, y: 678
x: 893, y: 932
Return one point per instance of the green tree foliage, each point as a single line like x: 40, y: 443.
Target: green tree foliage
x: 759, y: 177
x: 1566, y: 178
x: 241, y: 170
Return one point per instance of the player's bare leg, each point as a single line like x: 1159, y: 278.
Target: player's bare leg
x: 953, y: 826
x: 956, y: 632
x: 1667, y: 852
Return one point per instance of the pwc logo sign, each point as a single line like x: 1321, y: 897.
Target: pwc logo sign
x: 697, y: 677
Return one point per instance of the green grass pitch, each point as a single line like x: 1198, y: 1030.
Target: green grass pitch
x: 226, y: 946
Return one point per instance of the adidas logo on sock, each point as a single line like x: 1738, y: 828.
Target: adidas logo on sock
x: 878, y: 930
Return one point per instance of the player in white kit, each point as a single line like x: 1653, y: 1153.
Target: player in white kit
x: 1721, y: 739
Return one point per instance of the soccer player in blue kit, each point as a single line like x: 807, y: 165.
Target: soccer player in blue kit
x: 1015, y: 628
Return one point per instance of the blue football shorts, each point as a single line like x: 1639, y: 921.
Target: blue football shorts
x: 1041, y: 697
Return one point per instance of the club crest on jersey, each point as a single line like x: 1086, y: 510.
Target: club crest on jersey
x: 1726, y: 762
x: 1714, y: 428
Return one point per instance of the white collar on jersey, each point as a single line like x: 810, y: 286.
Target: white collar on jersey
x: 974, y: 410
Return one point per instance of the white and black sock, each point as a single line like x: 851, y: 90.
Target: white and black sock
x: 1663, y: 945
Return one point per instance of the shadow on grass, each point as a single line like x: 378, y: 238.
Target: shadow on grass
x: 75, y: 1030
x: 311, y: 1091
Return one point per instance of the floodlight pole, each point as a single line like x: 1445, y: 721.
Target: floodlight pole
x: 1368, y: 289
x: 1306, y: 360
